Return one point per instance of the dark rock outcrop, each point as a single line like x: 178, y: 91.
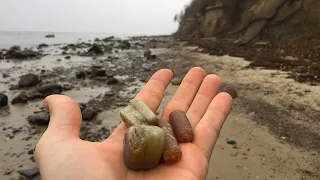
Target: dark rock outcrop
x: 96, y: 49
x: 250, y: 20
x: 3, y: 100
x: 28, y: 80
x: 15, y: 52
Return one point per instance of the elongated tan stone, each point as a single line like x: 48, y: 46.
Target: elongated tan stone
x: 171, y: 152
x: 143, y: 147
x: 137, y: 113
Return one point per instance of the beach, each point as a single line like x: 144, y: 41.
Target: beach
x: 274, y: 120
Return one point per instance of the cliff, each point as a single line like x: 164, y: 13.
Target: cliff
x: 249, y: 20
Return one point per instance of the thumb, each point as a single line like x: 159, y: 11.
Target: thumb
x: 65, y: 116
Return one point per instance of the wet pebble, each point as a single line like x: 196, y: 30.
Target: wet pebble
x: 20, y: 99
x: 29, y: 173
x: 49, y: 89
x: 28, y: 80
x: 41, y: 118
x: 230, y: 90
x: 81, y: 75
x: 88, y: 114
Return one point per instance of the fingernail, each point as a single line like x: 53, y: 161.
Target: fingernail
x: 46, y: 105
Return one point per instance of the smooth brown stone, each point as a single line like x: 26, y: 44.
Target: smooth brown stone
x: 143, y: 147
x: 171, y: 152
x: 137, y: 113
x: 181, y: 126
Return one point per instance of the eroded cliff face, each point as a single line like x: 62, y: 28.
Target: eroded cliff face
x: 250, y: 20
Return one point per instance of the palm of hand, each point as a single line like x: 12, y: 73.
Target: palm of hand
x: 61, y: 158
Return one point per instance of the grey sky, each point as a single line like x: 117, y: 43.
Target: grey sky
x: 111, y: 16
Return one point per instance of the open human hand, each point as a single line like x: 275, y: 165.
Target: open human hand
x: 61, y: 154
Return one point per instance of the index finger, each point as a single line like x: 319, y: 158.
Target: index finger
x: 151, y: 94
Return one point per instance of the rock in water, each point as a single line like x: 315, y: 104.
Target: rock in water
x: 41, y: 118
x: 49, y: 89
x: 137, y: 113
x: 50, y: 36
x: 3, y: 100
x: 28, y: 80
x: 143, y: 147
x: 21, y: 98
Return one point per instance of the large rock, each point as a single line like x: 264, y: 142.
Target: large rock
x: 96, y: 49
x: 28, y: 80
x: 3, y: 100
x: 49, y: 89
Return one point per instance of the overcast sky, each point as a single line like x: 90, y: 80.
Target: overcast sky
x: 108, y: 16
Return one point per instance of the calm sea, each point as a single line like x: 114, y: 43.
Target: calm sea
x: 31, y: 39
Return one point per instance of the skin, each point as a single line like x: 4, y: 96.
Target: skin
x: 61, y: 154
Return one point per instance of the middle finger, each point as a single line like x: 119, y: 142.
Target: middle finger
x: 186, y: 92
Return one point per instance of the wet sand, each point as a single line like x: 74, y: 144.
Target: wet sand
x: 274, y: 120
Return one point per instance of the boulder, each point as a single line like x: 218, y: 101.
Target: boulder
x: 98, y: 72
x: 50, y: 36
x: 15, y: 52
x: 42, y: 45
x: 49, y: 89
x: 41, y: 118
x: 81, y: 75
x: 147, y: 53
x: 112, y: 80
x: 3, y: 100
x: 96, y: 49
x: 20, y: 99
x: 28, y: 80
x: 125, y: 44
x: 88, y: 114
